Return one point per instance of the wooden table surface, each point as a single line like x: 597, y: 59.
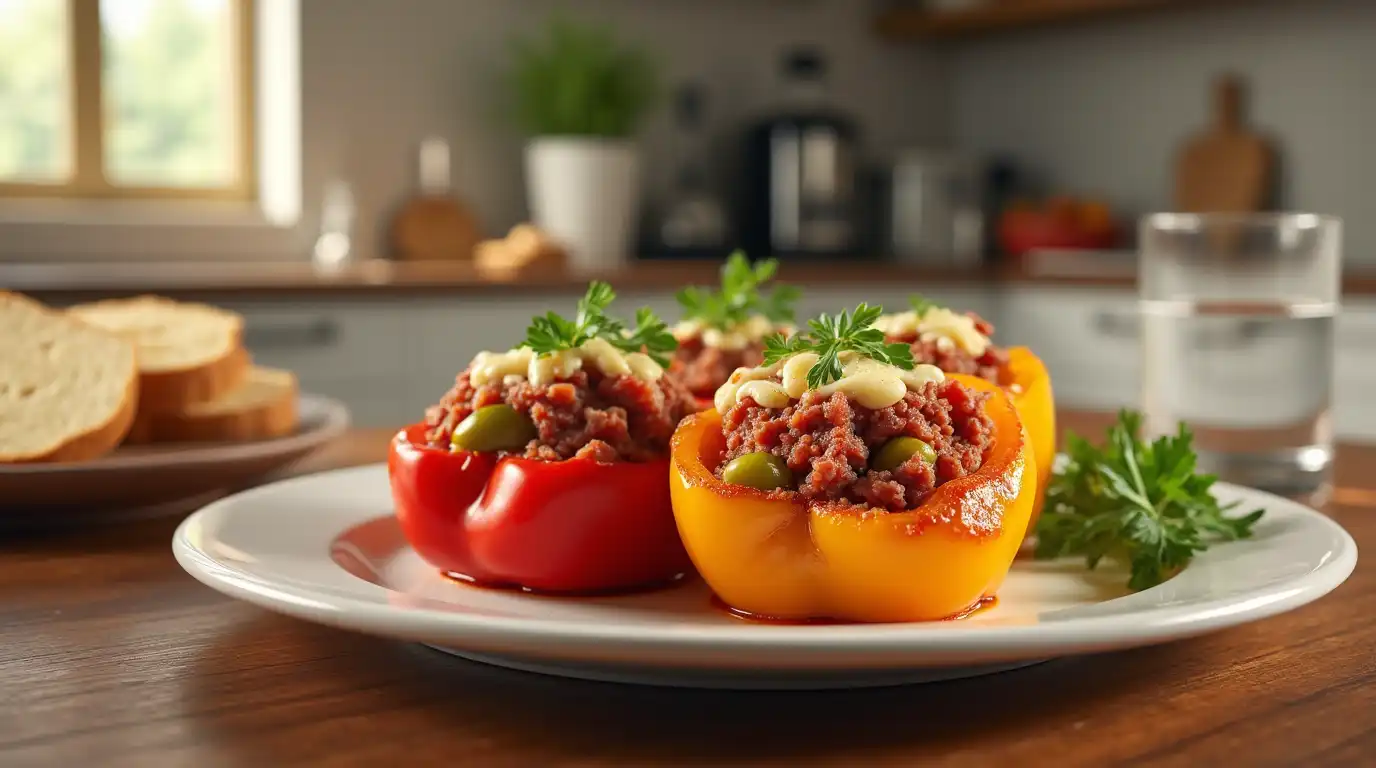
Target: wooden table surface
x: 111, y: 655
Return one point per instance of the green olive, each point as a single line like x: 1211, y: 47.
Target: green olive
x: 898, y: 450
x: 761, y: 471
x: 493, y: 428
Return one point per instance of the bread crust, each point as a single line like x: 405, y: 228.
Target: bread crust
x: 173, y: 391
x: 263, y: 421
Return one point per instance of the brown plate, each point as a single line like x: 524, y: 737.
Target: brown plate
x: 144, y: 476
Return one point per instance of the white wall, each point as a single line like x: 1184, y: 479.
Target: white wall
x: 1101, y: 107
x: 378, y: 75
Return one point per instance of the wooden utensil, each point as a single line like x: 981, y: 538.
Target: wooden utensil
x: 1228, y: 168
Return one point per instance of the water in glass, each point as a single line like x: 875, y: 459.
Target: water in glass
x: 1254, y: 382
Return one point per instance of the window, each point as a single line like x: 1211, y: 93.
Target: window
x: 126, y: 98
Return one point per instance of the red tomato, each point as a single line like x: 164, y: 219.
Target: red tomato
x: 554, y: 526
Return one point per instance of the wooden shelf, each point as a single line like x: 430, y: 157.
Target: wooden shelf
x: 1001, y: 15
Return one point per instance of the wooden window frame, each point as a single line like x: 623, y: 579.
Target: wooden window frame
x: 87, y: 178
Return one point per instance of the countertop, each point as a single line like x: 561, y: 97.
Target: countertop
x: 110, y: 655
x: 390, y: 278
x: 383, y: 279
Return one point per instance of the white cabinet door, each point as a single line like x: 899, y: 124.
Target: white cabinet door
x: 326, y: 340
x: 355, y: 351
x: 1089, y: 340
x: 1355, y: 385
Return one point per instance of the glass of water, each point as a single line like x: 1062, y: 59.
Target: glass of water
x: 1237, y: 342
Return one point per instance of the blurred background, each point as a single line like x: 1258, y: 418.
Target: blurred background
x: 385, y: 187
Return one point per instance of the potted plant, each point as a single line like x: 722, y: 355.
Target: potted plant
x: 579, y: 95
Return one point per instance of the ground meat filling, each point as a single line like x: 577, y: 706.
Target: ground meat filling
x: 702, y: 368
x: 952, y: 358
x: 827, y: 442
x: 588, y: 415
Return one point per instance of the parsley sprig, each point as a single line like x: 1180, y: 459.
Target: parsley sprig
x: 830, y: 335
x: 1140, y: 503
x: 921, y: 304
x: 740, y: 296
x: 550, y: 333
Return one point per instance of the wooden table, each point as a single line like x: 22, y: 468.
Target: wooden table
x: 110, y: 655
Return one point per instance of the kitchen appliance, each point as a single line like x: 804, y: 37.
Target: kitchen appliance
x: 801, y: 170
x: 934, y: 211
x: 692, y: 222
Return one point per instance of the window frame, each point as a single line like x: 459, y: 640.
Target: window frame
x: 88, y: 179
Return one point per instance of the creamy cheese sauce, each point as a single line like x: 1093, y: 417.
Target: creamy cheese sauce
x: 937, y: 324
x: 743, y: 335
x: 868, y: 382
x: 542, y: 370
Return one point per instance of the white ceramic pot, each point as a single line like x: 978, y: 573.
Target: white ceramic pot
x: 583, y: 193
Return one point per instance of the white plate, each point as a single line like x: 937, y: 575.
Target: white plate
x: 325, y: 548
x: 142, y: 476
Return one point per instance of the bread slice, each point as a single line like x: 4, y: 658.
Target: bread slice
x: 188, y: 353
x: 264, y: 407
x: 68, y: 390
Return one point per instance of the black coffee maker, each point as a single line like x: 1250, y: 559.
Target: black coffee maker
x: 801, y: 196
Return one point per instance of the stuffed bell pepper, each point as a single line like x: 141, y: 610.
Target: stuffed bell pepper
x: 546, y: 467
x: 723, y: 330
x: 839, y: 480
x: 962, y: 343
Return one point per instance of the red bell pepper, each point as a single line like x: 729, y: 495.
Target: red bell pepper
x: 552, y: 526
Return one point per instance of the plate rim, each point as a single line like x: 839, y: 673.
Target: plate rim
x: 332, y: 422
x: 324, y: 605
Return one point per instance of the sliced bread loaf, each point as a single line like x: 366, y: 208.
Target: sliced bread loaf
x: 188, y: 353
x: 263, y: 407
x: 68, y: 390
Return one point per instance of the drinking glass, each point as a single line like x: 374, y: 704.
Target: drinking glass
x: 1237, y: 342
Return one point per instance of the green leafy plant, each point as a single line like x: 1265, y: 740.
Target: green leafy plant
x: 1140, y: 503
x: 577, y: 80
x: 551, y: 333
x: 740, y: 296
x: 921, y: 304
x: 830, y: 335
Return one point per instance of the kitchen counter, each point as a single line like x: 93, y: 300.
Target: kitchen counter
x: 379, y: 278
x: 113, y: 656
x: 388, y: 278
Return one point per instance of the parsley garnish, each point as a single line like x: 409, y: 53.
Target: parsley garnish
x: 1139, y: 503
x: 551, y: 333
x: 740, y: 296
x: 830, y: 335
x: 650, y: 335
x: 921, y: 304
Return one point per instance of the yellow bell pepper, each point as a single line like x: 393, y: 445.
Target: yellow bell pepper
x: 771, y: 555
x: 1030, y: 386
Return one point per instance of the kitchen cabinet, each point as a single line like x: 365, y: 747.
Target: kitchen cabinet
x: 1354, y: 405
x: 390, y: 358
x: 355, y: 350
x: 1089, y: 340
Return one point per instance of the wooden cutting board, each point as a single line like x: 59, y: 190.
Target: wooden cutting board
x: 434, y: 228
x: 434, y: 225
x: 1227, y: 168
